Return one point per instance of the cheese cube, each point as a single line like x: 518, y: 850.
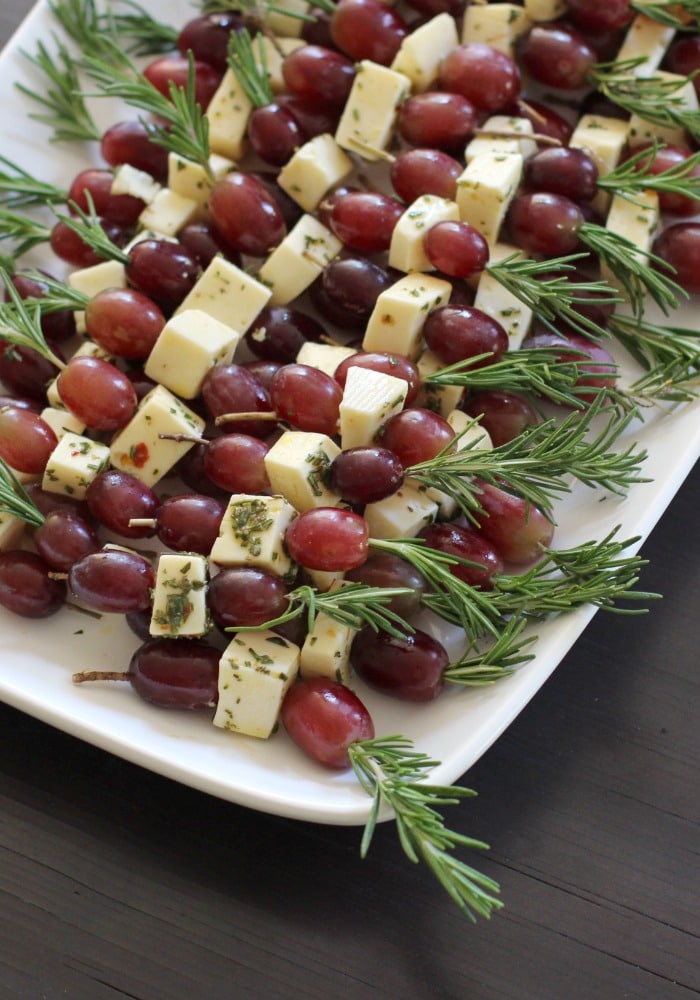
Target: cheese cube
x: 325, y: 357
x: 604, y: 139
x: 255, y: 672
x: 62, y: 421
x: 469, y: 434
x: 228, y: 113
x: 326, y: 650
x: 500, y: 134
x: 270, y: 53
x: 281, y: 23
x: 367, y: 123
x: 492, y: 298
x: 637, y: 220
x: 11, y: 531
x: 402, y: 515
x: 298, y: 260
x: 138, y: 447
x: 544, y: 10
x: 73, y: 464
x: 685, y: 98
x: 168, y: 213
x: 499, y: 25
x: 179, y: 596
x: 485, y: 189
x: 396, y: 322
x: 440, y: 399
x: 647, y: 40
x: 324, y: 579
x: 422, y: 51
x: 94, y: 279
x: 252, y: 534
x: 137, y: 183
x: 316, y: 167
x: 296, y: 466
x: 369, y: 399
x: 406, y: 252
x: 227, y: 293
x: 191, y: 180
x: 189, y: 345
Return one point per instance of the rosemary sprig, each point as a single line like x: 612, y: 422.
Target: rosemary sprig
x: 92, y: 33
x: 250, y: 70
x: 640, y: 275
x: 683, y: 15
x: 58, y: 296
x: 91, y: 231
x: 23, y: 231
x: 655, y: 99
x: 187, y: 131
x: 149, y: 36
x: 65, y: 110
x: 670, y: 355
x: 634, y: 176
x: 391, y: 772
x: 538, y: 464
x: 497, y: 660
x: 544, y: 286
x: 19, y: 189
x: 354, y: 605
x: 21, y: 325
x: 15, y: 500
x: 256, y: 12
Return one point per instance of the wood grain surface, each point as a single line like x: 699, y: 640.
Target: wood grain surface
x: 116, y: 883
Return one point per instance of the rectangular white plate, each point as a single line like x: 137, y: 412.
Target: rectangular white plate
x: 38, y: 657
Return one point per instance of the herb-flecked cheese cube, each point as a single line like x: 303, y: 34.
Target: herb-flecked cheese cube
x: 636, y: 219
x: 255, y: 672
x: 190, y: 344
x: 326, y: 357
x: 169, y: 212
x: 298, y: 260
x: 11, y: 530
x: 139, y: 449
x: 191, y: 180
x: 399, y: 315
x: 604, y: 139
x: 492, y: 298
x: 252, y: 533
x: 282, y: 23
x: 402, y: 515
x: 62, y: 421
x: 406, y: 251
x: 180, y: 596
x: 94, y: 279
x: 468, y: 434
x: 499, y: 25
x: 684, y: 94
x: 73, y: 465
x: 544, y: 10
x: 326, y: 650
x: 646, y: 40
x: 422, y: 51
x: 316, y: 167
x: 485, y: 189
x: 502, y: 134
x: 227, y: 293
x: 367, y: 123
x: 369, y: 399
x: 227, y: 113
x: 270, y: 53
x: 137, y: 183
x: 440, y: 399
x: 297, y: 464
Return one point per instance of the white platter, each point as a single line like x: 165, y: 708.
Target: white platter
x: 37, y: 658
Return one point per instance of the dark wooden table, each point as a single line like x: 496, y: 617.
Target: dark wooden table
x: 117, y: 883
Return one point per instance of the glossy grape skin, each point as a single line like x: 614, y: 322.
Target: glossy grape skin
x: 190, y: 469
x: 556, y: 56
x: 162, y: 270
x: 396, y: 365
x: 518, y: 529
x: 26, y: 588
x: 320, y: 74
x: 488, y: 78
x: 411, y: 668
x: 367, y: 29
x: 46, y: 502
x: 545, y: 224
x: 235, y: 389
x: 172, y: 673
x: 115, y: 497
x: 328, y: 539
x: 503, y: 414
x: 132, y: 142
x: 438, y: 119
x: 306, y: 398
x: 124, y: 322
x: 456, y: 248
x: 64, y: 538
x: 91, y: 190
x: 679, y: 246
x: 113, y: 581
x: 683, y: 57
x: 456, y: 333
x: 351, y: 286
x: 365, y: 220
x: 26, y: 372
x: 665, y: 159
x: 415, y: 172
x: 323, y: 718
x: 312, y: 118
x: 384, y: 569
x: 68, y: 246
x: 597, y: 366
x: 365, y: 475
x: 97, y: 392
x: 469, y: 544
x: 56, y: 326
x: 189, y: 522
x: 279, y: 332
x: 274, y: 133
x: 248, y: 218
x: 545, y: 120
x: 236, y: 463
x: 207, y: 37
x: 562, y: 170
x: 609, y: 16
x: 26, y: 440
x: 245, y: 596
x: 203, y: 241
x: 415, y: 435
x: 167, y: 70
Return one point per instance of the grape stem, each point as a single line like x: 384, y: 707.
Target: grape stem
x: 99, y: 675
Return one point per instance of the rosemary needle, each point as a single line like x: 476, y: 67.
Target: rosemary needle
x: 14, y: 499
x: 20, y: 324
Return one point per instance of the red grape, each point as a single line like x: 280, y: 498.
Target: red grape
x: 324, y: 718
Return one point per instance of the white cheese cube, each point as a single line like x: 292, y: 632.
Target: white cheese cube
x: 642, y: 132
x: 227, y: 293
x: 94, y: 279
x: 137, y: 183
x: 402, y: 515
x: 228, y: 113
x: 367, y: 123
x: 326, y: 650
x: 544, y: 10
x: 11, y: 531
x: 252, y: 534
x: 281, y: 23
x: 74, y: 464
x: 646, y: 40
x: 636, y: 219
x: 501, y: 134
x: 180, y: 596
x: 492, y: 298
x: 316, y: 167
x: 406, y: 252
x: 369, y: 399
x: 325, y: 357
x: 139, y: 449
x: 422, y: 51
x: 271, y: 52
x: 192, y: 181
x: 468, y: 434
x: 397, y: 320
x: 485, y: 189
x: 323, y: 579
x: 499, y: 25
x: 440, y: 399
x: 298, y: 260
x: 255, y: 672
x: 62, y: 421
x: 189, y: 345
x: 296, y: 466
x: 604, y: 139
x: 168, y: 213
